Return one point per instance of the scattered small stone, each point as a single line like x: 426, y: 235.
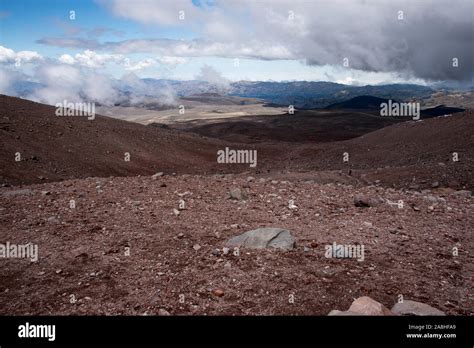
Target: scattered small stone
x: 163, y: 312
x: 53, y: 220
x: 196, y: 247
x: 216, y: 252
x: 237, y: 194
x: 218, y: 292
x: 157, y: 175
x: 227, y: 265
x: 45, y: 193
x: 361, y: 200
x: 225, y: 250
x: 463, y: 193
x: 180, y: 235
x: 431, y: 199
x: 175, y: 211
x: 435, y: 184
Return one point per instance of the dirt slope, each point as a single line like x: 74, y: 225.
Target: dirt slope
x: 56, y: 148
x: 418, y: 154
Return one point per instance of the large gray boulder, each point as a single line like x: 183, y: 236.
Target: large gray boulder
x: 268, y: 237
x: 408, y: 307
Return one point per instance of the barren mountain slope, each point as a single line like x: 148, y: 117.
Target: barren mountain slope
x: 55, y: 148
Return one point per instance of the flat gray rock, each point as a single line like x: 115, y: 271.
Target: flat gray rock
x: 408, y: 307
x: 268, y: 237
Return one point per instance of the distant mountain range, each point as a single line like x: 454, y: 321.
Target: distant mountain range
x: 309, y: 95
x: 301, y: 94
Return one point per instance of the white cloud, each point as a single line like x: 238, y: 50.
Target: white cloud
x: 140, y: 65
x: 67, y: 59
x: 213, y: 77
x: 28, y: 56
x: 172, y: 61
x: 94, y: 60
x: 5, y: 81
x: 61, y: 82
x: 8, y: 56
x: 76, y: 79
x: 367, y: 32
x: 142, y: 92
x: 91, y: 59
x: 155, y: 12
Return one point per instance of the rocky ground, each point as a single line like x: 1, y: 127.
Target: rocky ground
x: 113, y: 242
x: 130, y: 247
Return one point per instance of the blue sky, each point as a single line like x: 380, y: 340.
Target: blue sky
x: 272, y: 40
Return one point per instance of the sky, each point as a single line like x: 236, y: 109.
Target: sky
x: 355, y: 42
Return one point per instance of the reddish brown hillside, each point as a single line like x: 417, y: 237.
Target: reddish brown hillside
x: 55, y: 148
